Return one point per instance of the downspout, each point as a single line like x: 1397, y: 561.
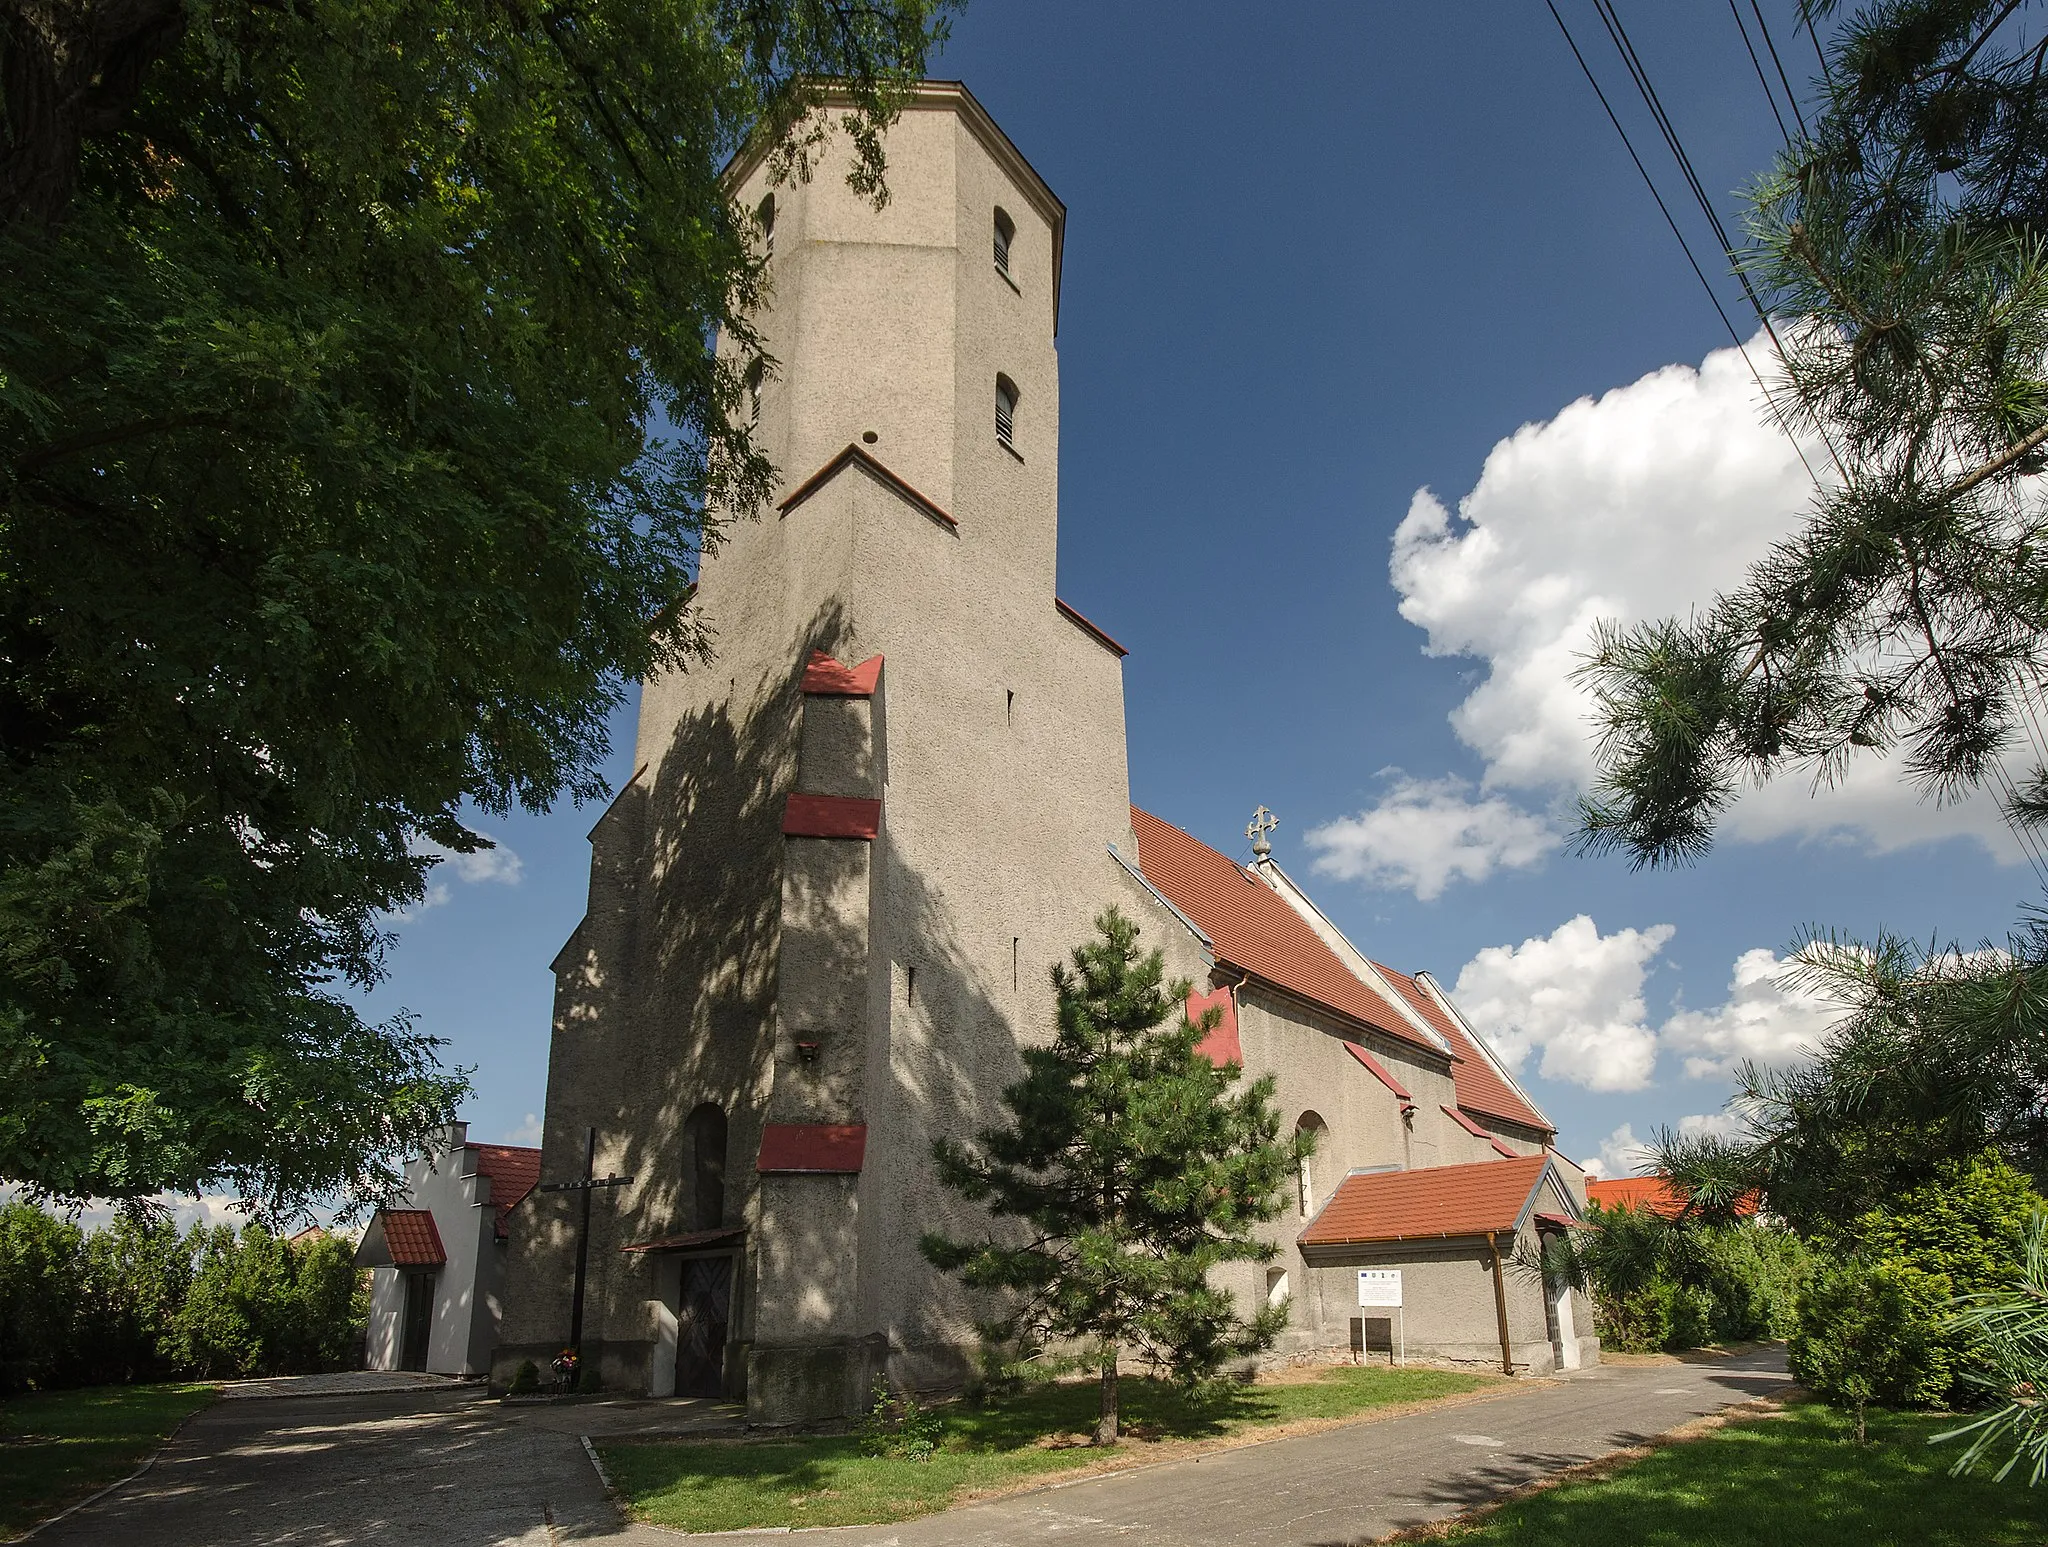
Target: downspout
x: 1500, y: 1304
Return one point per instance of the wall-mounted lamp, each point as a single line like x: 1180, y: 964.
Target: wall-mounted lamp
x: 807, y: 1051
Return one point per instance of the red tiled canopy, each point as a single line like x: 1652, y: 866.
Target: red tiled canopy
x: 1648, y: 1192
x: 831, y: 816
x: 411, y: 1238
x: 1435, y: 1202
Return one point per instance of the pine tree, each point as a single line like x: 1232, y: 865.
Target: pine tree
x: 1139, y: 1165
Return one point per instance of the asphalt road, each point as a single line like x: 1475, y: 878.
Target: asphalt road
x: 447, y: 1469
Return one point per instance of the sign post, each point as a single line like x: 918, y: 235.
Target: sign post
x: 1380, y: 1288
x: 586, y: 1186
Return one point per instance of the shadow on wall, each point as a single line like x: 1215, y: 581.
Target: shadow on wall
x: 669, y: 1003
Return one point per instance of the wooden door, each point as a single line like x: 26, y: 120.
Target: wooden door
x: 419, y: 1320
x: 702, y: 1323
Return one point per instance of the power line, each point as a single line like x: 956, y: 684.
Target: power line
x: 1684, y: 246
x: 1639, y: 73
x: 1757, y: 64
x: 1790, y: 95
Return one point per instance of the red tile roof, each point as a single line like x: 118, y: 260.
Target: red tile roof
x: 1647, y: 1192
x: 836, y: 1147
x: 513, y: 1170
x: 1221, y: 1044
x: 825, y: 677
x: 411, y: 1239
x: 1252, y: 928
x: 1481, y: 1090
x: 1436, y: 1201
x: 831, y: 816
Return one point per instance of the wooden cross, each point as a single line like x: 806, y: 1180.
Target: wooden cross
x: 586, y: 1186
x: 1262, y: 823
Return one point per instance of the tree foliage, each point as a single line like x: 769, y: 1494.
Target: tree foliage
x: 360, y: 428
x: 1137, y: 1166
x: 136, y: 1300
x: 2007, y: 1326
x: 1901, y: 246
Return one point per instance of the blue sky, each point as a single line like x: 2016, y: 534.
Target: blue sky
x: 1319, y: 259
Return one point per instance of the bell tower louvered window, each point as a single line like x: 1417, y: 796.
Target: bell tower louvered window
x: 1006, y: 411
x: 1006, y: 231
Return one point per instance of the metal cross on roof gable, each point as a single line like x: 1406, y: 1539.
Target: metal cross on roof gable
x: 1262, y: 823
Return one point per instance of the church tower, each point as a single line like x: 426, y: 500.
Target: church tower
x: 822, y: 912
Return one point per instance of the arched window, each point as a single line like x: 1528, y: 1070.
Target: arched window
x: 754, y: 374
x: 764, y: 213
x: 1311, y: 1126
x: 1006, y: 232
x: 704, y: 1144
x: 1006, y: 411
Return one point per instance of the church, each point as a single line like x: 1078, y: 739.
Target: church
x: 823, y: 910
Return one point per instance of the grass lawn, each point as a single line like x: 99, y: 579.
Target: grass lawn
x: 1797, y: 1478
x: 58, y: 1446
x: 827, y: 1481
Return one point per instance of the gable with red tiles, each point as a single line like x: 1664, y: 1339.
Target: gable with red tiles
x: 1254, y: 930
x: 1481, y: 1090
x: 514, y: 1171
x: 411, y: 1239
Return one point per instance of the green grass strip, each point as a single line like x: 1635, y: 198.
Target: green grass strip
x: 58, y: 1447
x: 1798, y: 1478
x: 828, y: 1481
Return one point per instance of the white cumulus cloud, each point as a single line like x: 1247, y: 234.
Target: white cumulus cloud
x: 527, y: 1133
x: 1574, y: 997
x: 1763, y: 1018
x: 497, y: 865
x: 1623, y: 1154
x: 1640, y: 503
x: 1425, y: 833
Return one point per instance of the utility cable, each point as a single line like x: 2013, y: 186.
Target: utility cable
x: 1618, y: 35
x: 1684, y: 246
x: 1790, y: 95
x: 1757, y: 64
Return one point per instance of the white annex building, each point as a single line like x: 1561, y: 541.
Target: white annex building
x: 823, y: 910
x: 437, y: 1256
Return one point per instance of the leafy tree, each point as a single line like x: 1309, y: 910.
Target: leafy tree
x: 360, y: 429
x: 1138, y: 1167
x: 260, y: 1305
x: 38, y: 1290
x: 134, y: 1274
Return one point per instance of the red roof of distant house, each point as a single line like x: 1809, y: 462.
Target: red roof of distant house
x: 1437, y: 1201
x: 1648, y: 1192
x: 411, y: 1238
x: 513, y: 1170
x: 1481, y: 1090
x: 1252, y: 928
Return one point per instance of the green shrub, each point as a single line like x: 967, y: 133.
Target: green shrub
x: 896, y: 1428
x: 1658, y: 1284
x: 40, y: 1274
x: 525, y: 1379
x: 1865, y: 1335
x: 261, y: 1306
x: 135, y: 1273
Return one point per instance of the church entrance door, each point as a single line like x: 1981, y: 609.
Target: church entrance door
x: 702, y: 1321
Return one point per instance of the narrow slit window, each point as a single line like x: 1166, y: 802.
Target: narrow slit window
x: 1006, y: 411
x: 910, y: 986
x: 1015, y: 942
x: 754, y: 372
x: 765, y: 214
x: 1009, y: 706
x: 1006, y: 231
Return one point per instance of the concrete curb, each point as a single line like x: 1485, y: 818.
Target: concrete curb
x: 94, y: 1498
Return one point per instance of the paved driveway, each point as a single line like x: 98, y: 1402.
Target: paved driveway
x: 445, y: 1469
